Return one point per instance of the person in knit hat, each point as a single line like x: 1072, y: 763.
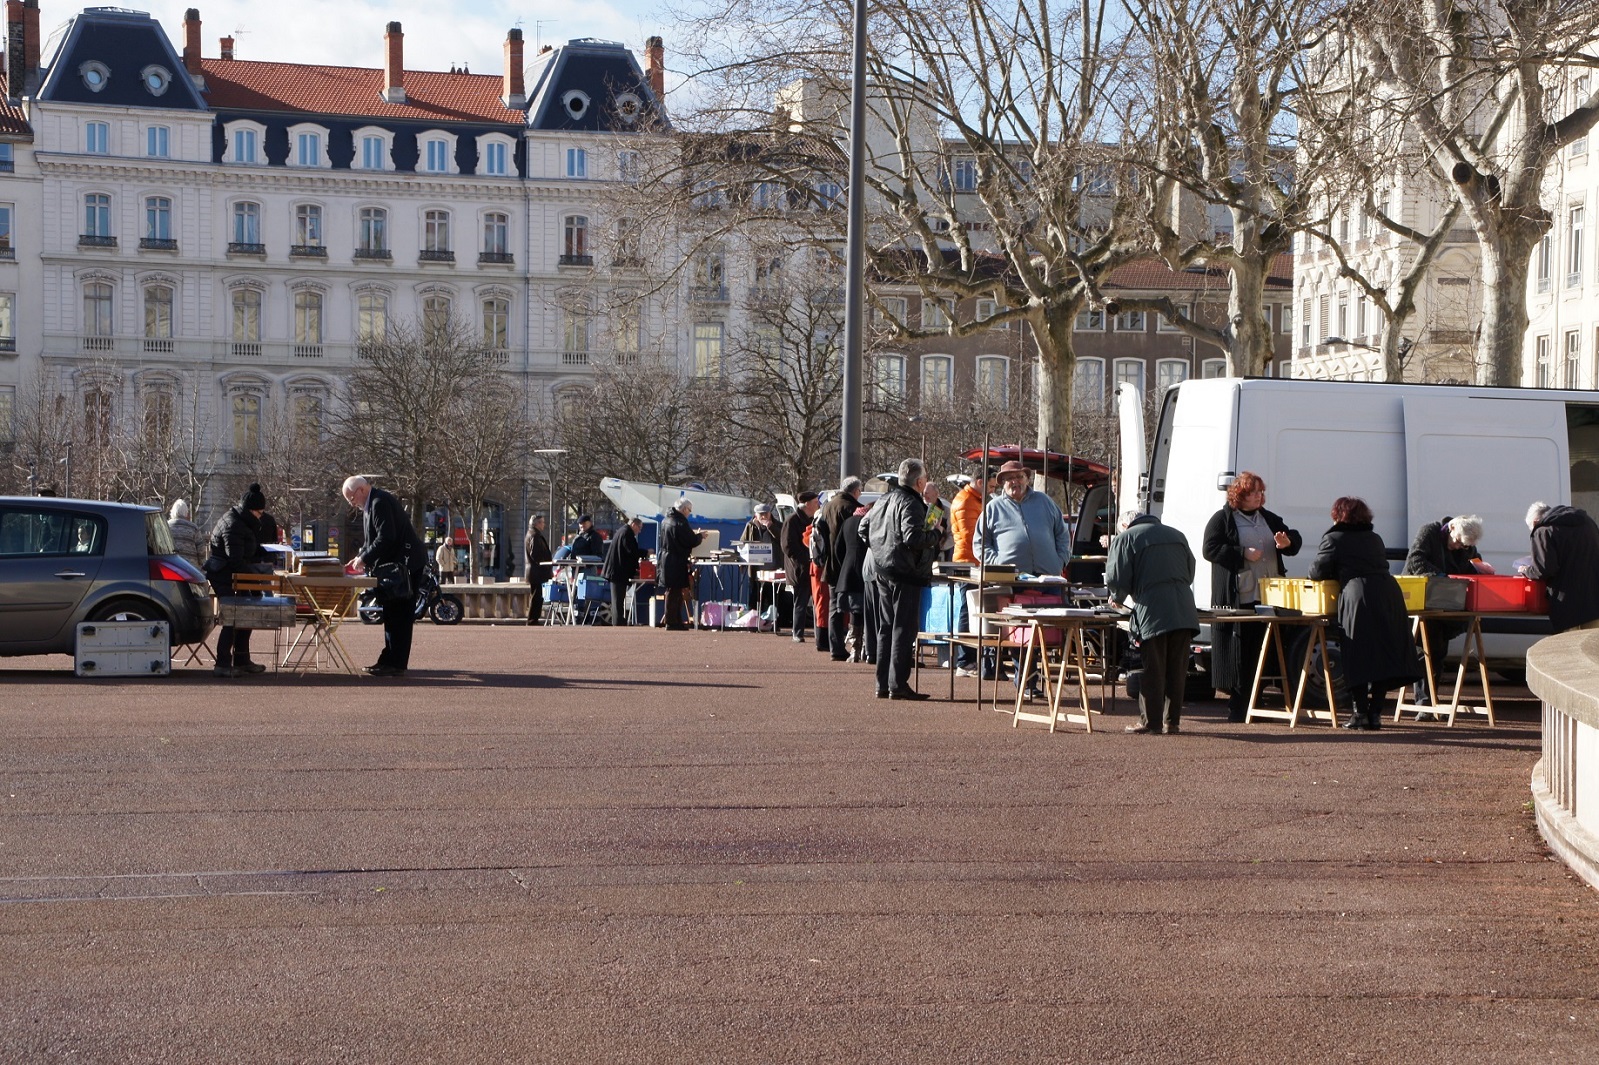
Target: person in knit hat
x: 235, y: 547
x: 187, y: 539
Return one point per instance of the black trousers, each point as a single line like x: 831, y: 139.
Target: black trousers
x: 676, y: 604
x: 837, y: 624
x: 399, y: 618
x: 1165, y: 679
x: 802, y: 605
x: 619, y: 601
x: 898, y: 620
x: 233, y: 645
x: 535, y: 602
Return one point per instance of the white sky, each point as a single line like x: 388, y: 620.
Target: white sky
x: 438, y: 33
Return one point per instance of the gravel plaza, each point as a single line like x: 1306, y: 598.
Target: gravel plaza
x: 628, y: 845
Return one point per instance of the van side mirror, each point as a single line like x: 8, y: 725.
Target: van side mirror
x: 1225, y: 481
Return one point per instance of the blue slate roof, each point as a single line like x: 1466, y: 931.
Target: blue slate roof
x: 605, y: 73
x: 126, y: 44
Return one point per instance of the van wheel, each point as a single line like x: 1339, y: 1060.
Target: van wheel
x: 1316, y: 687
x: 1517, y: 677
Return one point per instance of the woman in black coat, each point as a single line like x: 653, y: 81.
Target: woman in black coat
x: 674, y: 564
x: 1379, y: 653
x: 1243, y: 543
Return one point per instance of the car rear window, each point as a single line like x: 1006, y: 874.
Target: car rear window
x: 157, y: 534
x: 28, y: 531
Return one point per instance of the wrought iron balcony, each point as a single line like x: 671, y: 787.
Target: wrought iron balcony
x: 307, y: 251
x: 435, y: 255
x: 239, y: 247
x: 92, y: 240
x: 158, y: 244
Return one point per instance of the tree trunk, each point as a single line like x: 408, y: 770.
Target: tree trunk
x: 1057, y: 364
x: 1506, y: 263
x: 1251, y: 347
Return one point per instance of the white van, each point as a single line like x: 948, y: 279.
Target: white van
x: 1414, y: 453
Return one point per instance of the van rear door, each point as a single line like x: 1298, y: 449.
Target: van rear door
x: 1485, y: 454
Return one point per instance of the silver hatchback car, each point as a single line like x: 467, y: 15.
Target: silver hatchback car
x: 63, y: 561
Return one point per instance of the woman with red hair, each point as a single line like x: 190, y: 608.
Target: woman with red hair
x: 1244, y: 542
x: 1378, y: 652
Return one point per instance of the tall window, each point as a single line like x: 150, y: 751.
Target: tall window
x: 97, y: 416
x: 308, y: 225
x: 244, y: 145
x: 1574, y: 247
x: 246, y: 307
x: 6, y: 250
x: 496, y: 234
x: 158, y: 218
x: 935, y: 314
x: 890, y: 378
x: 1579, y: 96
x: 1545, y: 368
x: 577, y: 163
x: 966, y: 175
x: 246, y: 411
x: 494, y: 155
x: 156, y: 142
x: 97, y: 215
x: 247, y: 224
x: 829, y: 196
x: 97, y: 310
x: 629, y: 329
x: 1088, y: 384
x: 435, y: 318
x: 307, y: 319
x: 938, y: 379
x: 496, y: 324
x: 1545, y: 262
x: 436, y: 231
x: 1130, y: 372
x: 708, y: 349
x: 1213, y: 368
x: 371, y: 316
x: 1573, y: 355
x: 374, y: 231
x: 576, y: 329
x: 993, y: 380
x: 1090, y: 321
x: 1306, y: 324
x: 629, y: 166
x: 158, y: 312
x: 438, y: 156
x: 308, y: 419
x: 575, y: 239
x: 308, y: 149
x: 1130, y: 322
x: 8, y: 334
x: 158, y: 417
x: 8, y: 414
x: 97, y: 138
x: 1169, y: 373
x: 374, y: 153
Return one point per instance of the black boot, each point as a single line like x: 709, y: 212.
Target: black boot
x: 1357, y: 711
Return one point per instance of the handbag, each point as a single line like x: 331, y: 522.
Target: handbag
x: 394, y: 580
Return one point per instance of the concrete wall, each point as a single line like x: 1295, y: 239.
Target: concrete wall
x: 1563, y: 671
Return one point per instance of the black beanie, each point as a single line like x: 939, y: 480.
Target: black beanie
x: 254, y: 498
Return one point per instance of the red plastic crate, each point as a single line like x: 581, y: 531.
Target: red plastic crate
x: 1505, y: 595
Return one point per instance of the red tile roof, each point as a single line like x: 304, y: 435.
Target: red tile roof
x: 12, y: 119
x: 431, y: 96
x: 1153, y: 274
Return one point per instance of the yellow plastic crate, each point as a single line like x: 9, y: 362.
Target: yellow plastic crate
x: 1415, y: 589
x: 1280, y: 591
x: 1318, y: 597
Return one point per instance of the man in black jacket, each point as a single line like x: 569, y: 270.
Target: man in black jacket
x: 903, y: 547
x: 831, y: 518
x: 1565, y: 554
x: 620, y: 568
x: 389, y: 539
x: 588, y: 543
x: 797, y: 561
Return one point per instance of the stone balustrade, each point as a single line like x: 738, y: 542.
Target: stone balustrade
x: 506, y: 600
x: 1563, y: 671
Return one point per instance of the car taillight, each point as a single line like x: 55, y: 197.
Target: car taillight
x: 165, y: 571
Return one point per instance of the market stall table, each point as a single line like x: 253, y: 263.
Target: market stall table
x: 1315, y: 626
x: 1473, y: 649
x: 1076, y: 657
x: 325, y: 603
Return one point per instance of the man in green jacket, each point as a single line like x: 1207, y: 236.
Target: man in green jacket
x: 1151, y: 564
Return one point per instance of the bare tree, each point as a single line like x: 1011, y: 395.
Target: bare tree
x: 1493, y: 89
x: 404, y: 403
x: 997, y: 152
x: 488, y: 447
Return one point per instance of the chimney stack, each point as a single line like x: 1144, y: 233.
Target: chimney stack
x: 394, y: 65
x: 191, y: 40
x: 515, y: 92
x: 22, y: 47
x: 227, y: 47
x: 655, y: 68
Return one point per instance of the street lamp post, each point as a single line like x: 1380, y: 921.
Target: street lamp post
x: 299, y: 518
x: 552, y: 456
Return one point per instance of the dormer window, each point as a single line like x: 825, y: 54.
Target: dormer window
x: 95, y: 74
x: 308, y: 146
x: 156, y: 79
x: 628, y: 107
x: 438, y: 157
x: 576, y: 103
x: 244, y: 142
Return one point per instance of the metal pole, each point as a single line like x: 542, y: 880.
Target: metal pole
x: 849, y: 428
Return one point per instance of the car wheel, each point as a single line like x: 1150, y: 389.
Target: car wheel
x: 126, y: 610
x: 447, y: 610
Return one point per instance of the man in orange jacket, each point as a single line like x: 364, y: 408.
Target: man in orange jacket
x: 965, y: 509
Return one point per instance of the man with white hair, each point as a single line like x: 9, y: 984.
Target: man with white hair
x: 674, y: 561
x: 1442, y: 549
x: 389, y: 540
x: 1565, y: 555
x: 904, y: 540
x: 1153, y: 565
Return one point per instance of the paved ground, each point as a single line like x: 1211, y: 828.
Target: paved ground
x: 633, y: 846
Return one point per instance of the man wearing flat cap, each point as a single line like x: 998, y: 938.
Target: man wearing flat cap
x: 588, y: 543
x: 761, y: 529
x: 797, y: 560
